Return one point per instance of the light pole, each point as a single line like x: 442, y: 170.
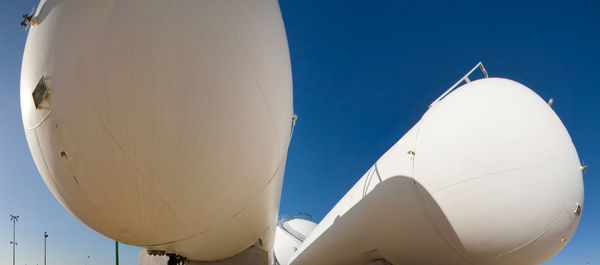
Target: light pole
x: 45, y: 236
x: 86, y: 259
x: 117, y: 251
x: 14, y: 219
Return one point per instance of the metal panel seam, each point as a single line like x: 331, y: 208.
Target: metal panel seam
x: 437, y: 231
x: 41, y: 122
x: 486, y: 175
x: 534, y: 239
x: 105, y: 13
x: 259, y: 86
x: 46, y: 164
x: 114, y: 139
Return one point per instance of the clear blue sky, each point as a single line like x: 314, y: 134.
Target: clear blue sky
x: 364, y: 73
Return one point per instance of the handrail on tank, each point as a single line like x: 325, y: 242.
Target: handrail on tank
x: 304, y: 216
x: 290, y: 230
x: 464, y: 78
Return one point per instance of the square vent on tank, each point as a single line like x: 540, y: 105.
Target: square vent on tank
x: 40, y: 92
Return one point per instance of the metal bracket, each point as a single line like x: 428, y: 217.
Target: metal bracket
x: 583, y: 166
x: 28, y: 19
x: 465, y: 78
x: 175, y: 259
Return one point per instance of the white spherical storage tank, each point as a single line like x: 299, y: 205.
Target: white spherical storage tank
x: 162, y: 124
x: 488, y: 176
x: 289, y: 235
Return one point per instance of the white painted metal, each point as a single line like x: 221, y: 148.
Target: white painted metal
x: 489, y: 175
x: 173, y: 119
x: 289, y: 235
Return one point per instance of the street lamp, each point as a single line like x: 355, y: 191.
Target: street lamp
x: 117, y: 252
x: 14, y: 219
x: 86, y: 259
x: 45, y: 236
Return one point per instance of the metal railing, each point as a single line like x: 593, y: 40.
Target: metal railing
x: 465, y: 78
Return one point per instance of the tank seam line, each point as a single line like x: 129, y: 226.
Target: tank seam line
x: 534, y: 239
x: 46, y: 164
x: 486, y: 175
x: 259, y: 86
x: 236, y: 214
x: 422, y: 206
x: 114, y: 139
x: 41, y: 122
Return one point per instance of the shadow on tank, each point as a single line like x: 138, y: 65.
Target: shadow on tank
x: 390, y: 223
x: 44, y: 10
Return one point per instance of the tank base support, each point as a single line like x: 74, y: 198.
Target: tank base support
x: 251, y: 256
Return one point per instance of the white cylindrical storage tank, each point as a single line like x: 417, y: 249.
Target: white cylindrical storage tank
x: 488, y: 176
x: 162, y: 124
x: 503, y: 169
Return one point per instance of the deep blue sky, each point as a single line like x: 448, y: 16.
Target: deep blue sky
x: 364, y: 73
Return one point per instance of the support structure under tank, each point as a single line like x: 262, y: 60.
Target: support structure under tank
x: 251, y: 256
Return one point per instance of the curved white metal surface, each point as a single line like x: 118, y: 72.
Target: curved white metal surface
x: 289, y: 235
x: 174, y: 119
x: 489, y: 175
